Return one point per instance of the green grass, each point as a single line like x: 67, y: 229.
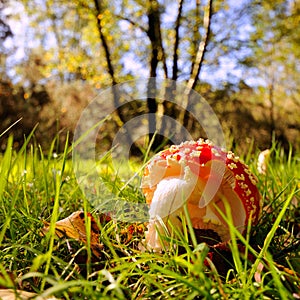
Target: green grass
x: 36, y: 187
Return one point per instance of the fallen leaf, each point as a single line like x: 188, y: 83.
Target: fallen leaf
x: 74, y: 227
x: 10, y: 294
x: 131, y: 230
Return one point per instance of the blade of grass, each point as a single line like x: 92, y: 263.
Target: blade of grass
x: 248, y: 232
x: 24, y: 183
x: 54, y: 216
x: 84, y: 135
x: 24, y: 146
x: 190, y: 226
x: 5, y: 168
x: 146, y: 155
x: 194, y: 285
x: 64, y: 286
x: 233, y: 241
x: 11, y: 126
x: 5, y: 279
x: 271, y: 234
x: 276, y: 277
x: 88, y: 237
x: 45, y: 167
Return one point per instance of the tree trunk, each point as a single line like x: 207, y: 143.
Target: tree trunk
x: 99, y: 10
x: 168, y: 106
x: 157, y: 55
x: 197, y: 64
x: 118, y: 115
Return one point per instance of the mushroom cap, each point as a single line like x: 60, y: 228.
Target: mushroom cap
x: 203, y: 176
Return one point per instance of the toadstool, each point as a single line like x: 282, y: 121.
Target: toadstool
x: 203, y: 176
x: 263, y: 160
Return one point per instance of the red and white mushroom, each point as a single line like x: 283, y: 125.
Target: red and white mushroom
x: 203, y: 176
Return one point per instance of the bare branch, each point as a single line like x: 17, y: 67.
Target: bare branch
x: 133, y: 23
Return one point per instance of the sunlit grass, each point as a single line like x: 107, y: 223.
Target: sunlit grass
x: 36, y: 187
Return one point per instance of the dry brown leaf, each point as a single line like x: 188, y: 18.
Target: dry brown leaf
x: 10, y: 294
x: 131, y: 230
x: 74, y: 227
